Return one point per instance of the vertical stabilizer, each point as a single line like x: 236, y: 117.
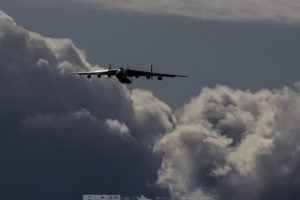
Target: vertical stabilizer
x: 151, y: 71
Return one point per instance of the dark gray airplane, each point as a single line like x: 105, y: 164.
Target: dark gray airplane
x: 126, y: 75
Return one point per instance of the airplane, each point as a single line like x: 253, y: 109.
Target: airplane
x: 125, y: 75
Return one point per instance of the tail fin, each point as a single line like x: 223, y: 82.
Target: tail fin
x: 151, y: 70
x: 108, y: 74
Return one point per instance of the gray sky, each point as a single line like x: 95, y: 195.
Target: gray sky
x: 246, y: 55
x: 63, y: 136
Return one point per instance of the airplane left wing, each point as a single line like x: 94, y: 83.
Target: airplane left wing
x: 108, y: 72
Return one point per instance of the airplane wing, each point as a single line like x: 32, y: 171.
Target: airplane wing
x: 109, y: 72
x: 131, y: 72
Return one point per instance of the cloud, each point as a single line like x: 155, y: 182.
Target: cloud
x: 280, y: 11
x: 233, y: 144
x: 154, y: 119
x: 117, y: 126
x: 63, y: 136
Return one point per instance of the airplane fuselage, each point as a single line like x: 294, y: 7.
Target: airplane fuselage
x: 122, y: 76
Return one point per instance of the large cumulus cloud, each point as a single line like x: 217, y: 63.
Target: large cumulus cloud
x: 232, y: 144
x: 63, y: 136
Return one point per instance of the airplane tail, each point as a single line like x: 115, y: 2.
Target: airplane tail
x: 151, y: 70
x: 108, y: 75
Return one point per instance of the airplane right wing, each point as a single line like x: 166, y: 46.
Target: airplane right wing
x: 150, y: 74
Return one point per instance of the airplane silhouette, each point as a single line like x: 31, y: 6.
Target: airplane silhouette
x: 125, y: 75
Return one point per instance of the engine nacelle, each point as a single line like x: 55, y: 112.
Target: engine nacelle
x: 159, y: 78
x: 88, y: 76
x: 99, y: 75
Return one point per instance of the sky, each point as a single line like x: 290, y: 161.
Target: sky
x: 228, y: 131
x: 240, y: 53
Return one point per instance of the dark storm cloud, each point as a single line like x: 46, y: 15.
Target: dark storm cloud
x: 63, y: 136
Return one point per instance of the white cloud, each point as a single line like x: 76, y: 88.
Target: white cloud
x: 153, y: 116
x: 282, y: 11
x: 118, y: 126
x: 232, y: 144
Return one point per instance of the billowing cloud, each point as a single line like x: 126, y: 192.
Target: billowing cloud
x: 282, y: 11
x: 232, y: 144
x: 153, y: 116
x: 63, y: 136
